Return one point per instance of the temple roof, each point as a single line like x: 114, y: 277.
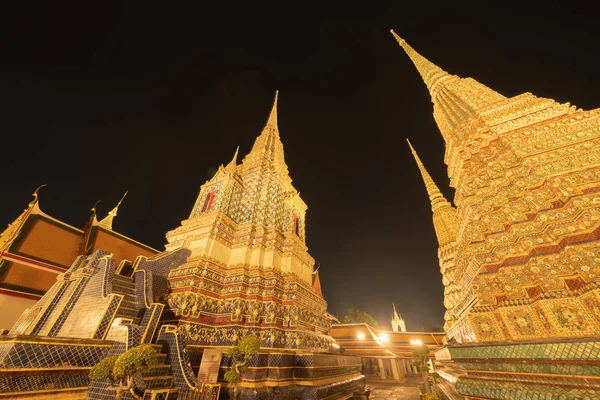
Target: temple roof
x: 366, y: 341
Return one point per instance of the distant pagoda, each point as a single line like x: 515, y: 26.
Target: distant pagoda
x: 398, y: 324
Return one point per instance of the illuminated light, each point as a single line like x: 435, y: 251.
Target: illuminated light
x: 361, y: 336
x: 384, y: 338
x: 337, y: 346
x: 416, y: 342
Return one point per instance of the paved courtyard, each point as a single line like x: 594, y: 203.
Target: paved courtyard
x: 407, y: 389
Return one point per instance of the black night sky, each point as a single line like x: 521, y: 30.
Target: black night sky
x: 99, y: 98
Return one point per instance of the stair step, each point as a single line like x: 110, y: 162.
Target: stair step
x: 123, y: 290
x: 130, y: 304
x: 159, y: 370
x: 129, y: 313
x: 122, y: 278
x: 161, y: 358
x: 128, y: 297
x: 158, y: 377
x: 153, y: 382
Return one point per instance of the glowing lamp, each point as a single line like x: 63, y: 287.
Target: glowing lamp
x: 384, y: 338
x: 416, y: 342
x: 361, y: 336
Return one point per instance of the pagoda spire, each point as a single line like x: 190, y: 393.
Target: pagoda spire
x: 430, y: 72
x: 272, y: 121
x: 455, y: 100
x: 445, y: 220
x: 395, y: 313
x: 107, y: 221
x: 435, y: 196
x: 233, y: 161
x: 268, y: 144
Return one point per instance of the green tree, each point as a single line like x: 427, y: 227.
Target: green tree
x: 125, y: 367
x: 241, y: 353
x: 353, y: 315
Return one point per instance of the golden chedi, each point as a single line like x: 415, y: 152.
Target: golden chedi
x: 519, y: 250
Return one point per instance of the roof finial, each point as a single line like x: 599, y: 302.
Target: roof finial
x: 430, y: 72
x: 107, y: 221
x: 395, y: 313
x: 94, y: 206
x: 35, y: 195
x: 436, y: 197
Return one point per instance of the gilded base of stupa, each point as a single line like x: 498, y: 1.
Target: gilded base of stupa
x: 562, y: 368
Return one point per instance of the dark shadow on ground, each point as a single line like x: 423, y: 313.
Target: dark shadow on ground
x: 406, y: 389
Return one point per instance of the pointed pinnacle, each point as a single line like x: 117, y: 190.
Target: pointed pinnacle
x: 430, y: 72
x: 116, y: 209
x: 233, y: 161
x: 122, y: 198
x: 435, y: 196
x: 107, y: 221
x: 273, y: 116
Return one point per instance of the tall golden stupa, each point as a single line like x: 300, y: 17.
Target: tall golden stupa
x: 519, y: 250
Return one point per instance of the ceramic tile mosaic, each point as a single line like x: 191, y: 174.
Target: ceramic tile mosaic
x: 556, y: 350
x: 522, y: 391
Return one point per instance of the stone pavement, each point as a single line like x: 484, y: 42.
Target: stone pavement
x: 406, y: 389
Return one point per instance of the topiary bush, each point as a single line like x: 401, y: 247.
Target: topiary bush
x: 136, y: 360
x: 124, y: 367
x: 247, y: 347
x: 104, y: 369
x: 241, y: 353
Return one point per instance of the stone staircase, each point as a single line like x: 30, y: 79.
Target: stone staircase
x: 158, y: 380
x: 128, y: 309
x: 159, y: 376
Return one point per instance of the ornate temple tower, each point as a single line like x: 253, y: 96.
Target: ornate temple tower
x: 398, y: 324
x: 519, y: 254
x: 445, y: 223
x: 249, y: 266
x: 238, y: 265
x: 250, y: 213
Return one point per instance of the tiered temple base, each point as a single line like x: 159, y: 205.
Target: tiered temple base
x: 298, y: 376
x: 40, y: 367
x: 546, y: 369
